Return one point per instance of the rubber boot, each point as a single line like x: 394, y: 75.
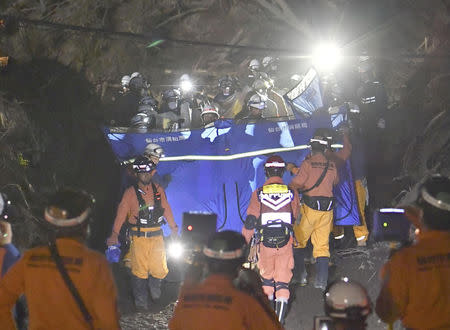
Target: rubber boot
x: 281, y: 309
x: 154, y: 284
x: 321, y: 273
x: 299, y: 275
x: 140, y: 293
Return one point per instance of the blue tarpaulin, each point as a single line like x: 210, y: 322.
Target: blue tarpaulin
x: 216, y: 169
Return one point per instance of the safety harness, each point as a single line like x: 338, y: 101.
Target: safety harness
x: 319, y: 203
x: 149, y: 216
x: 275, y: 227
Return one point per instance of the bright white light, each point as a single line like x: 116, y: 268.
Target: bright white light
x: 326, y: 57
x: 186, y: 85
x: 175, y: 250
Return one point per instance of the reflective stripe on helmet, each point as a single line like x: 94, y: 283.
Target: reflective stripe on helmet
x: 66, y: 222
x: 224, y: 255
x: 275, y: 164
x: 434, y: 201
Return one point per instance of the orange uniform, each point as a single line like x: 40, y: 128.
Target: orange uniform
x: 147, y: 254
x: 275, y: 263
x: 217, y: 304
x: 416, y: 287
x: 50, y: 303
x: 129, y: 206
x: 310, y: 171
x: 315, y: 222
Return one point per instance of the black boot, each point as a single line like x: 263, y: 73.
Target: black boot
x: 321, y: 273
x: 140, y: 293
x: 280, y: 310
x: 299, y: 275
x: 154, y: 284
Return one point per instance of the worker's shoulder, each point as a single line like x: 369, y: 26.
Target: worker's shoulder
x: 158, y: 186
x: 130, y: 190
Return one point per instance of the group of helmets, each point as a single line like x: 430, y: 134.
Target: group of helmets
x: 134, y: 82
x: 268, y: 63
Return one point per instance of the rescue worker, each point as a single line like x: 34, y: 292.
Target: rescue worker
x: 170, y: 110
x: 145, y: 207
x: 270, y: 66
x: 353, y: 148
x: 8, y: 252
x: 229, y: 97
x: 347, y: 304
x: 125, y: 82
x: 416, y: 280
x: 209, y: 115
x: 315, y: 180
x: 67, y: 285
x: 216, y: 303
x: 256, y: 104
x: 272, y: 210
x: 153, y: 152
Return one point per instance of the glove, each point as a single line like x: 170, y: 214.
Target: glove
x: 112, y: 253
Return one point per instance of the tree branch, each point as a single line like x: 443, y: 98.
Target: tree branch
x: 285, y: 14
x: 179, y: 16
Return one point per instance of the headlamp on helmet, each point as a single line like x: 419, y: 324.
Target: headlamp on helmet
x: 68, y: 208
x: 143, y: 165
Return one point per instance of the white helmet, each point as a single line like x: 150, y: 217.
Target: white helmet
x: 254, y: 65
x: 126, y: 81
x: 153, y: 149
x: 267, y: 60
x: 257, y: 101
x: 209, y: 108
x: 135, y: 74
x: 347, y: 300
